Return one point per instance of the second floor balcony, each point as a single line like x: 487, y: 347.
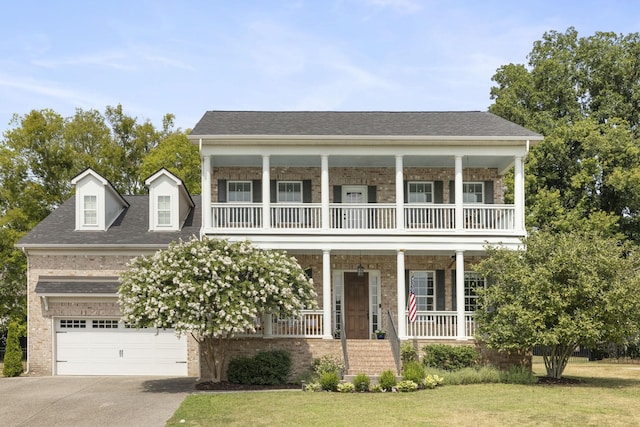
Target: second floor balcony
x: 373, y: 218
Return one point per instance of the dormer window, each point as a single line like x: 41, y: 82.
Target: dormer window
x: 90, y: 210
x: 164, y: 210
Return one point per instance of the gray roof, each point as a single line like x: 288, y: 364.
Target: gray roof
x: 77, y: 285
x: 130, y: 229
x: 431, y: 124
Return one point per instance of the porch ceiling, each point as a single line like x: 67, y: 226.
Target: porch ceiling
x: 500, y: 162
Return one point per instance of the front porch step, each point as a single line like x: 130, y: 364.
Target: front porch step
x: 370, y: 357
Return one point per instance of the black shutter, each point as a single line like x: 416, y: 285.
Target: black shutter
x: 371, y: 194
x: 407, y: 285
x: 257, y: 190
x: 438, y: 192
x: 222, y: 190
x: 309, y: 273
x: 405, y: 187
x: 454, y: 291
x: 306, y: 191
x: 337, y: 194
x: 452, y: 192
x: 440, y: 291
x: 488, y: 192
x: 273, y: 190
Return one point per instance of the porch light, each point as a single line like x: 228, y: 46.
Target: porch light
x: 360, y: 270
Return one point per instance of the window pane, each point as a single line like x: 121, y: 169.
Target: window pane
x: 472, y: 281
x: 472, y: 192
x: 164, y: 202
x: 423, y: 287
x: 164, y: 210
x: 420, y: 192
x: 240, y: 191
x: 90, y: 212
x: 290, y: 192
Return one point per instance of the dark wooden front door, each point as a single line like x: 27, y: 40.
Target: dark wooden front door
x: 356, y: 295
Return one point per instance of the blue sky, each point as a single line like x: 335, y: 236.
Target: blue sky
x: 186, y: 57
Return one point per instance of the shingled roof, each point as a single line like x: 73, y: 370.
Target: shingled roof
x: 325, y: 123
x: 130, y: 229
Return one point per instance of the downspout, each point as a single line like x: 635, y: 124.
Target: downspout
x: 28, y: 317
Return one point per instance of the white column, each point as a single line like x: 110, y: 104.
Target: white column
x: 266, y: 192
x: 462, y: 333
x: 324, y: 190
x: 399, y: 194
x: 326, y: 295
x: 518, y: 194
x: 206, y: 194
x: 402, y: 298
x: 459, y: 196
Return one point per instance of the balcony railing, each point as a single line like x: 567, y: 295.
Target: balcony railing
x: 439, y: 324
x: 369, y: 216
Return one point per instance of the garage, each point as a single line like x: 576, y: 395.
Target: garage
x: 102, y: 346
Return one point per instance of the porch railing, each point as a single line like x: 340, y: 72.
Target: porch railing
x: 368, y: 216
x: 439, y: 324
x: 308, y: 325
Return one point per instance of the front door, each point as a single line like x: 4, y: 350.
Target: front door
x: 357, y: 195
x: 356, y: 295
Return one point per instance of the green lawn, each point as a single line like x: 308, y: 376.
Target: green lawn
x: 610, y: 395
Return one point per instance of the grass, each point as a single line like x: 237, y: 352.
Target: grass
x: 608, y: 396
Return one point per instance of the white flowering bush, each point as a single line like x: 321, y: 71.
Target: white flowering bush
x: 212, y: 289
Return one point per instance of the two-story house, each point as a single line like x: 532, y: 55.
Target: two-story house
x: 372, y: 205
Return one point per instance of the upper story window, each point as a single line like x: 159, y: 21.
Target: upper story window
x: 164, y: 210
x: 424, y: 287
x: 239, y: 191
x: 472, y: 281
x: 290, y: 191
x: 90, y: 210
x: 420, y: 192
x: 472, y: 192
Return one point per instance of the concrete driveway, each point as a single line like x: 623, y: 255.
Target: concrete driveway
x: 91, y: 401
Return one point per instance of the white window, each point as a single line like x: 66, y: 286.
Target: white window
x: 73, y: 324
x: 424, y: 287
x: 289, y: 191
x: 472, y: 281
x: 90, y: 210
x: 239, y: 191
x: 105, y: 324
x: 472, y: 192
x: 420, y: 192
x: 164, y: 210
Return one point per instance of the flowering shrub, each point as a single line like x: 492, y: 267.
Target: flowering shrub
x: 212, y: 289
x: 346, y: 388
x: 328, y: 363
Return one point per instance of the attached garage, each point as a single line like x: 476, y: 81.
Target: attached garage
x: 98, y: 346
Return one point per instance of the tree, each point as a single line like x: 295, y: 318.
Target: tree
x: 581, y: 93
x: 13, y: 353
x: 212, y: 289
x: 567, y: 289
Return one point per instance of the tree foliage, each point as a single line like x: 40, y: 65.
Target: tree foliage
x: 566, y: 289
x: 212, y: 289
x: 13, y: 353
x: 583, y: 95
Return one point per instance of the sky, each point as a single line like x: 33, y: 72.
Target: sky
x: 186, y: 57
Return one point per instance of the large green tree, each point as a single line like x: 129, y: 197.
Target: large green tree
x: 213, y: 289
x: 566, y: 289
x: 583, y: 95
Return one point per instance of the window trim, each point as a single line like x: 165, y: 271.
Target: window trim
x: 431, y: 185
x: 229, y: 192
x: 481, y: 192
x: 289, y: 182
x: 86, y: 210
x: 160, y: 210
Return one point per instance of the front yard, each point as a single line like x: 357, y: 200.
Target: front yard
x: 608, y: 395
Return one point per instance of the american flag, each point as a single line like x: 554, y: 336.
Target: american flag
x: 412, y: 303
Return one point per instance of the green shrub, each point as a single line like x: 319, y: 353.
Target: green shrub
x: 13, y: 352
x: 267, y: 367
x: 346, y: 388
x: 407, y: 385
x: 314, y: 386
x: 328, y: 363
x: 482, y: 375
x: 413, y: 371
x: 519, y: 375
x: 377, y: 389
x: 449, y: 357
x: 329, y: 381
x: 432, y: 381
x: 387, y: 380
x: 361, y: 382
x: 408, y: 353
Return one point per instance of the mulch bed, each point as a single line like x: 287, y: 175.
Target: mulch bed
x: 227, y: 386
x: 559, y: 381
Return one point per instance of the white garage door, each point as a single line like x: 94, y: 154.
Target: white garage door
x: 108, y: 347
